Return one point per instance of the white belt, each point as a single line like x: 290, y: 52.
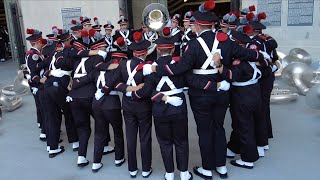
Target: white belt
x: 68, y: 73
x: 172, y: 92
x: 114, y: 93
x: 177, y: 43
x: 185, y: 43
x: 79, y: 75
x: 205, y: 71
x: 247, y: 83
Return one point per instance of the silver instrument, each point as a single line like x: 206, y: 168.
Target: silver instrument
x: 299, y: 75
x: 155, y: 16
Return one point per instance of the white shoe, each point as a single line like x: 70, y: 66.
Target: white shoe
x: 243, y: 164
x: 75, y: 145
x: 119, y: 162
x: 96, y: 167
x: 55, y: 152
x: 186, y: 175
x: 222, y: 169
x: 230, y: 154
x: 266, y: 147
x: 108, y: 150
x: 169, y: 176
x: 146, y: 174
x: 42, y: 135
x: 2, y: 60
x: 82, y: 160
x: 260, y: 151
x: 204, y: 172
x: 133, y: 173
x: 38, y: 124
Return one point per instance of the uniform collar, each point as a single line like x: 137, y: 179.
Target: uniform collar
x: 204, y: 32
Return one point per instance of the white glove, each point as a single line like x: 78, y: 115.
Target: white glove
x: 274, y: 68
x: 147, y: 69
x: 224, y: 85
x: 98, y: 95
x: 57, y: 73
x: 129, y: 94
x: 34, y: 90
x: 69, y: 99
x: 28, y: 76
x: 102, y: 53
x: 174, y: 100
x: 265, y: 55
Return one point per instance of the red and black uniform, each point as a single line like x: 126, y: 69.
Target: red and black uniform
x: 106, y: 110
x: 81, y: 98
x: 37, y: 65
x: 171, y: 122
x: 137, y: 114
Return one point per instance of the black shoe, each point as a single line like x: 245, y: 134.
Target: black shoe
x: 81, y: 165
x: 120, y: 164
x: 233, y: 162
x: 196, y: 172
x: 60, y: 140
x: 43, y: 139
x: 52, y: 155
x: 75, y: 149
x: 222, y: 176
x: 230, y: 157
x: 148, y: 174
x: 96, y: 170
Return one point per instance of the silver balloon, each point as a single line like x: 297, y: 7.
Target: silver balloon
x: 301, y: 54
x: 313, y: 97
x: 290, y: 59
x: 298, y: 75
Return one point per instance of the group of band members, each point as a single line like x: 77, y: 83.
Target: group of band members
x: 79, y: 73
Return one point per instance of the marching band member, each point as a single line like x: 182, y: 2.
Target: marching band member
x: 56, y: 89
x: 176, y: 33
x: 36, y: 67
x: 188, y: 35
x: 48, y: 51
x: 267, y: 82
x: 151, y: 36
x: 137, y: 113
x: 123, y: 31
x: 76, y: 31
x: 209, y: 108
x: 108, y: 27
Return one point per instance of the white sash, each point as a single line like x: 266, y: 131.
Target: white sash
x: 186, y: 35
x: 151, y: 38
x: 175, y: 31
x: 165, y: 79
x: 131, y: 74
x: 126, y: 36
x: 81, y: 67
x: 254, y: 79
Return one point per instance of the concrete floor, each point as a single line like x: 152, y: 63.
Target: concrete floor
x: 293, y: 154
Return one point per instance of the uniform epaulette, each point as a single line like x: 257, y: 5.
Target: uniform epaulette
x: 29, y: 52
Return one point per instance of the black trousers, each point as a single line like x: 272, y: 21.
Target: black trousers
x: 82, y: 110
x: 266, y: 84
x: 56, y: 104
x: 40, y: 113
x: 102, y: 118
x: 141, y: 122
x: 172, y: 131
x: 209, y: 114
x: 245, y: 110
